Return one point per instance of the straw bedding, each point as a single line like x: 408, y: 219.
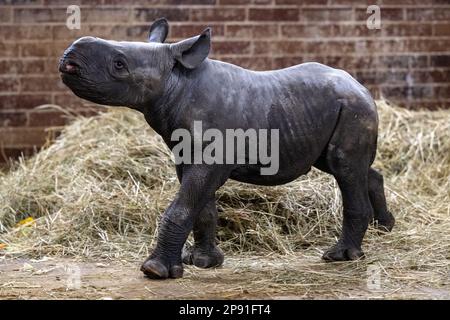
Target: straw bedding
x: 100, y: 188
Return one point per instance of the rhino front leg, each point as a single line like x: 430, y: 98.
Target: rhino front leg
x: 204, y: 253
x: 198, y: 186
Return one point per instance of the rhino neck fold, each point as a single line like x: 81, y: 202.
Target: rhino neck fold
x: 162, y: 113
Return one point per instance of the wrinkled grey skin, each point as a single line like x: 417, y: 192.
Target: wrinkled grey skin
x: 325, y: 117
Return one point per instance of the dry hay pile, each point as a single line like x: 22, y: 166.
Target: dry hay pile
x: 99, y: 190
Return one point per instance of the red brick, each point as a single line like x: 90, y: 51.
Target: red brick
x: 139, y: 32
x: 52, y: 65
x: 68, y: 99
x: 410, y: 2
x: 416, y: 61
x: 9, y: 50
x: 34, y: 49
x: 442, y: 29
x: 405, y: 30
x: 9, y: 67
x: 41, y: 84
x: 5, y: 15
x: 133, y: 2
x: 316, y: 47
x: 277, y: 14
x: 57, y: 48
x: 13, y: 119
x: 440, y: 60
x: 186, y: 2
x: 279, y: 48
x: 403, y: 61
x: 46, y: 118
x: 356, y: 62
x: 62, y: 32
x: 158, y: 2
x: 253, y: 63
x: 38, y: 15
x: 430, y: 76
x: 422, y: 92
x: 323, y: 15
x: 437, y: 2
x: 231, y: 47
x: 284, y: 62
x: 9, y: 84
x: 415, y: 92
x: 252, y: 31
x: 387, y: 14
x: 19, y: 137
x: 118, y: 32
x: 307, y: 31
x: 116, y: 15
x: 340, y: 47
x: 427, y: 45
x: 377, y: 45
x: 11, y: 154
x: 428, y: 14
x: 216, y: 14
x: 23, y: 101
x: 376, y: 77
x: 151, y: 14
x: 21, y: 2
x: 25, y: 32
x: 395, y: 61
x: 353, y: 2
x: 236, y: 2
x: 355, y: 31
x: 69, y: 2
x: 190, y: 30
x: 442, y: 92
x: 35, y: 66
x: 301, y: 2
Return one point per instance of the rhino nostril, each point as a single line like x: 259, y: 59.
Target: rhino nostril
x: 69, y: 66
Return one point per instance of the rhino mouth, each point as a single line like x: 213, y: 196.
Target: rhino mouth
x: 68, y: 66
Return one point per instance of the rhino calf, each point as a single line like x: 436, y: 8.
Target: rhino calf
x: 325, y: 119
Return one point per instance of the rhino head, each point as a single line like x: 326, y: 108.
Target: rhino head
x: 132, y: 74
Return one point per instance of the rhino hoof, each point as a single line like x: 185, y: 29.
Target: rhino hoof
x: 385, y: 223
x: 342, y: 253
x: 156, y: 269
x: 203, y: 258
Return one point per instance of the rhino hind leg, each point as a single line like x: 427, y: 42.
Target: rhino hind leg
x: 383, y: 218
x: 348, y: 157
x: 356, y: 215
x: 204, y: 253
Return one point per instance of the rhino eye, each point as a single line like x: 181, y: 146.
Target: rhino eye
x: 119, y: 65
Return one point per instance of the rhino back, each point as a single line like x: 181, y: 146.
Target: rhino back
x: 303, y: 102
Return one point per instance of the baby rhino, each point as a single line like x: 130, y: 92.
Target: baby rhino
x: 324, y: 118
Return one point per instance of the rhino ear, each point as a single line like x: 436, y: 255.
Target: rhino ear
x: 191, y: 52
x: 158, y: 31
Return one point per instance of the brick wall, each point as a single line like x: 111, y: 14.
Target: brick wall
x: 406, y: 61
